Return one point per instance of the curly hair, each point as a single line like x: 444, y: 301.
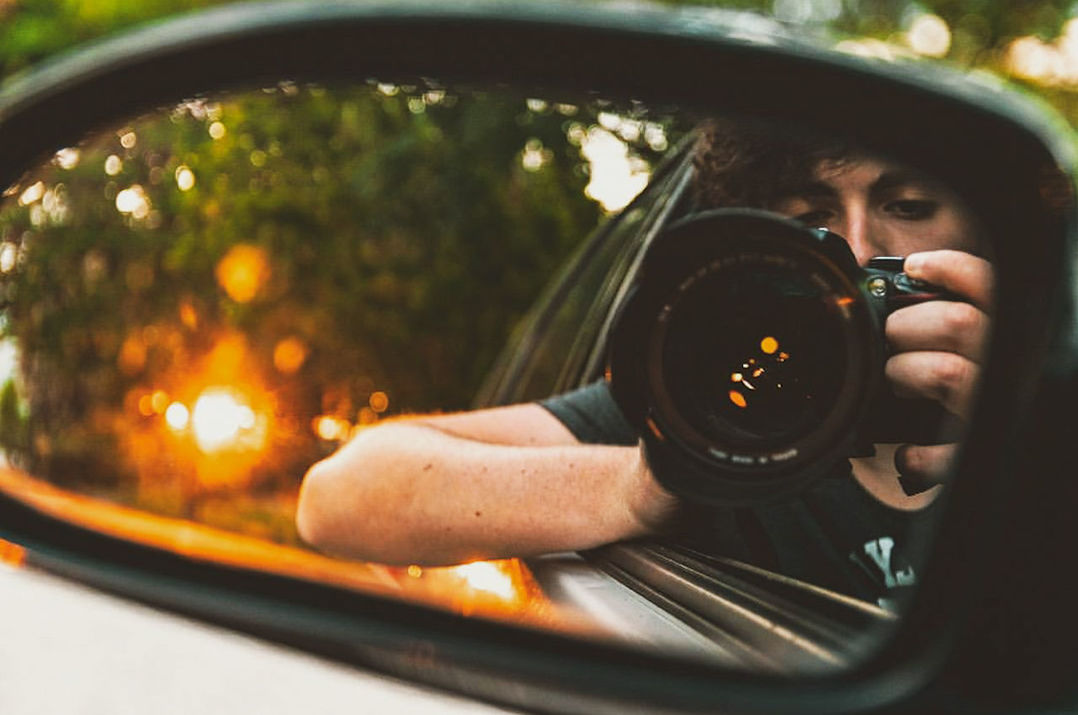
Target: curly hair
x: 753, y: 165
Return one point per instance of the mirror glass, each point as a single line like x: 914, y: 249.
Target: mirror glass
x: 202, y: 303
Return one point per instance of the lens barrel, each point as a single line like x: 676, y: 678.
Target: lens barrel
x: 745, y: 355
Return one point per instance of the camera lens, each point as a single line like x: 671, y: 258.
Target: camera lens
x: 754, y: 357
x: 746, y: 356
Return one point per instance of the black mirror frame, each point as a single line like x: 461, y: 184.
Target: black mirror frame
x: 965, y: 635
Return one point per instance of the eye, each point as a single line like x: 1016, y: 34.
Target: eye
x: 817, y: 218
x: 912, y: 209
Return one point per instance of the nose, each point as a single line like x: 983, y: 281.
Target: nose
x: 856, y: 227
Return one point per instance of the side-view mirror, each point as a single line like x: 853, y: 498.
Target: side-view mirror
x: 234, y: 241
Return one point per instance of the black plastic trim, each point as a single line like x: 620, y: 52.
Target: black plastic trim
x: 1001, y: 155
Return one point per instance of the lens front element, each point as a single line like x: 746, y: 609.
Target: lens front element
x: 750, y: 356
x: 760, y: 355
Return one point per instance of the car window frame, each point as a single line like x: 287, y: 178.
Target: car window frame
x: 508, y: 381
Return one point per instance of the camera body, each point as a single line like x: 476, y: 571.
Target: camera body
x: 891, y: 419
x: 749, y: 356
x: 886, y: 287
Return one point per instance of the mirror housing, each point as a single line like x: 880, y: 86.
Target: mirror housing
x: 1010, y: 496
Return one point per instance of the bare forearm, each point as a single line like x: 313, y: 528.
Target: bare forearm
x: 406, y: 492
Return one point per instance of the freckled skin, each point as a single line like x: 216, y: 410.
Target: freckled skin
x: 530, y: 501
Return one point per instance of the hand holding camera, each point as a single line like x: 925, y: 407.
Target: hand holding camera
x: 755, y: 356
x: 937, y: 350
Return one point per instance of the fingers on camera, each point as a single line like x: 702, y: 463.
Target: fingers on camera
x: 963, y: 273
x: 939, y: 325
x: 947, y: 378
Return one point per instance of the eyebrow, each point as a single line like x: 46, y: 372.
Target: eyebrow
x: 884, y: 182
x: 899, y: 177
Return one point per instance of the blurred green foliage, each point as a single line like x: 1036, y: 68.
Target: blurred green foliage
x: 320, y: 251
x: 31, y: 30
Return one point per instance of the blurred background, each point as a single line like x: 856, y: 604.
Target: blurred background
x: 200, y: 303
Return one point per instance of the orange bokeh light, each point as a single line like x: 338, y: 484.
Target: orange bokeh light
x: 331, y: 428
x: 482, y: 586
x: 12, y: 554
x: 132, y: 357
x: 379, y: 401
x: 243, y: 272
x: 159, y: 401
x: 488, y: 577
x: 216, y: 423
x: 188, y: 315
x: 289, y: 355
x: 221, y: 419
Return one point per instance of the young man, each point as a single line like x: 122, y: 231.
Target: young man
x: 528, y: 479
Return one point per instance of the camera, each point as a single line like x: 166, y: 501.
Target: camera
x: 749, y: 356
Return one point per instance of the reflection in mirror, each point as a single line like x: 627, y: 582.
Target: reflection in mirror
x: 203, y: 303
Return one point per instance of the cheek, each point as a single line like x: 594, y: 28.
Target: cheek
x: 957, y: 231
x: 946, y: 230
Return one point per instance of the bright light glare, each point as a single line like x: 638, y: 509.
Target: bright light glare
x: 929, y: 35
x: 1054, y: 64
x: 133, y: 200
x: 331, y: 428
x: 113, y: 165
x: 485, y: 576
x: 32, y: 194
x: 9, y: 360
x: 177, y: 416
x: 535, y: 156
x: 870, y: 48
x: 185, y: 178
x: 615, y: 178
x: 218, y: 418
x: 9, y: 256
x: 67, y: 158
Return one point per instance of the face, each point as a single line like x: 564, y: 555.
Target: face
x: 882, y: 209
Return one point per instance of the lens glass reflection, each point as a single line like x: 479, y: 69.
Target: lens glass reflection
x: 755, y: 358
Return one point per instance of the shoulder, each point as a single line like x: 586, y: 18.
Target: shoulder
x: 592, y: 415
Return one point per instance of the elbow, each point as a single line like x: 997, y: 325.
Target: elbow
x: 316, y: 520
x: 344, y: 509
x: 331, y: 515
